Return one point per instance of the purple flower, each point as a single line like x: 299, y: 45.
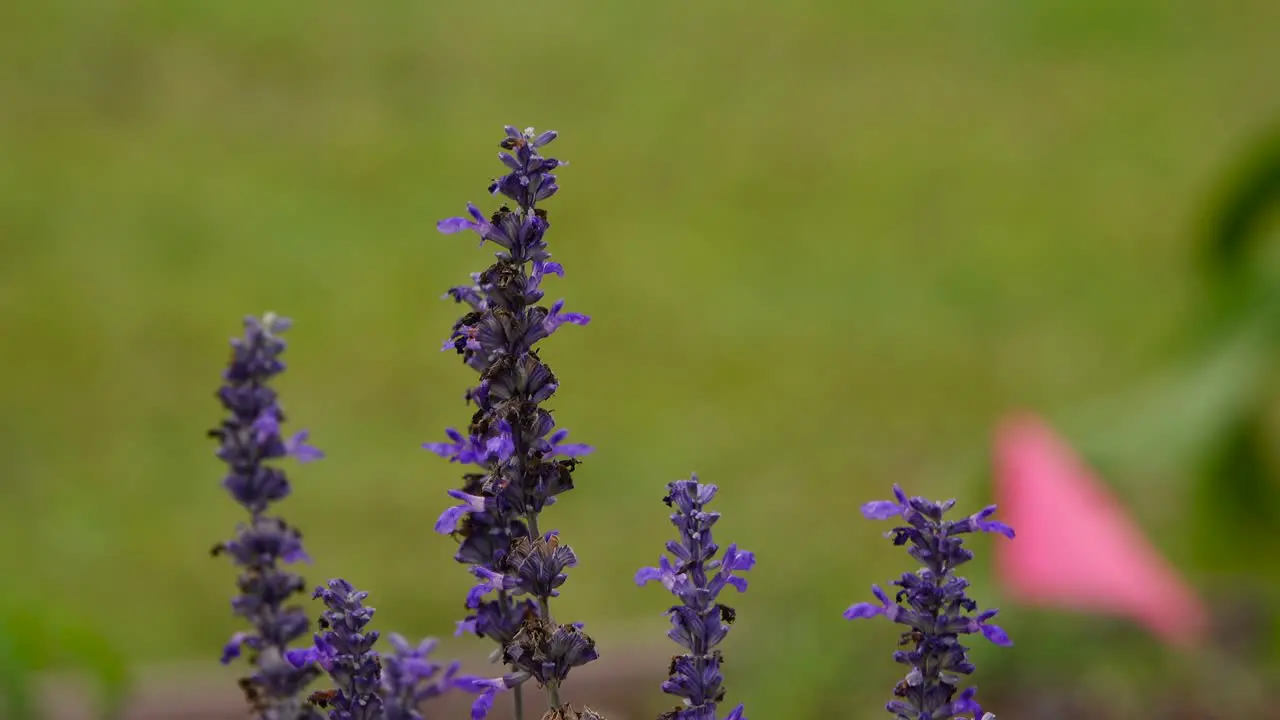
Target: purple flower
x: 410, y: 678
x: 933, y: 603
x: 249, y: 442
x: 696, y: 576
x: 345, y: 651
x: 520, y: 460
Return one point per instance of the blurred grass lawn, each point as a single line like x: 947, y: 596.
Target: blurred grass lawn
x: 825, y: 245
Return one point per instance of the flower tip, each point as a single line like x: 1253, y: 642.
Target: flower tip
x: 301, y: 657
x: 448, y: 520
x: 999, y: 527
x: 644, y: 575
x: 881, y: 509
x: 862, y: 611
x: 231, y: 650
x: 996, y: 635
x: 482, y: 705
x: 452, y: 225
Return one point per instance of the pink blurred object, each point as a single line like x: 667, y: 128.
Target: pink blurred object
x: 1077, y: 547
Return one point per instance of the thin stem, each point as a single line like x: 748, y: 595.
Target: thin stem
x: 519, y: 700
x: 544, y: 611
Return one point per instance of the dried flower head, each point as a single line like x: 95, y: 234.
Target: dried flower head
x: 566, y: 712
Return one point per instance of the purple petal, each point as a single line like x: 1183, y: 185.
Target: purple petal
x: 996, y: 635
x: 510, y: 161
x: 981, y: 522
x: 296, y: 554
x: 399, y: 643
x: 473, y: 502
x: 863, y: 610
x: 735, y: 559
x: 881, y: 509
x: 452, y: 225
x: 966, y: 704
x: 266, y: 425
x: 644, y: 575
x: 448, y: 521
x: 231, y: 650
x: 476, y: 593
x: 735, y: 714
x: 501, y: 445
x: 302, y: 657
x: 482, y: 705
x: 300, y: 450
x: 573, y: 450
x: 488, y: 575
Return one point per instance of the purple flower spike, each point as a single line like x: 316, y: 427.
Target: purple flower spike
x: 933, y: 603
x: 696, y: 576
x: 520, y: 461
x: 250, y: 443
x: 346, y: 652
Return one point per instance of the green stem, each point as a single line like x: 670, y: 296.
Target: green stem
x: 553, y: 695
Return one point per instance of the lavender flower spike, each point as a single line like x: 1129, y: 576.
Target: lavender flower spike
x: 521, y: 462
x: 695, y: 576
x: 346, y: 652
x: 250, y: 440
x: 932, y: 602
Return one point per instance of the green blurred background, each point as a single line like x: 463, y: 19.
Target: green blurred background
x: 826, y: 246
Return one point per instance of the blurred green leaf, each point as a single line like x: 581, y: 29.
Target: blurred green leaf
x: 84, y: 647
x: 1178, y: 417
x: 15, y: 675
x: 1251, y: 194
x: 37, y: 637
x: 23, y: 651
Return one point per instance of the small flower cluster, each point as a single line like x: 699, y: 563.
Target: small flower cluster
x: 409, y: 678
x: 695, y: 576
x: 933, y: 602
x: 523, y: 461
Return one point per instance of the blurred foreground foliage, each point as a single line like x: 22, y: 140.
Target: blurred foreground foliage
x: 37, y: 636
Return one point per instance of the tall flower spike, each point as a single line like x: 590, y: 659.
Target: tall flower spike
x: 696, y: 576
x: 932, y: 602
x: 249, y: 441
x: 521, y: 462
